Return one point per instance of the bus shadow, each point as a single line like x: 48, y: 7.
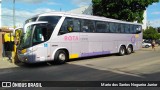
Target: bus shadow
x: 37, y: 65
x: 71, y: 72
x: 52, y: 63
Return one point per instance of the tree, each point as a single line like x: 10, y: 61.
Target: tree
x: 151, y: 33
x: 128, y: 10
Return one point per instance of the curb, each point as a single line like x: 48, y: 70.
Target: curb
x: 5, y: 63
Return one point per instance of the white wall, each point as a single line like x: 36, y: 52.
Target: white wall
x: 82, y: 10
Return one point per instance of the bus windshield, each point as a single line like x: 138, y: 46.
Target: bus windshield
x: 31, y: 20
x: 26, y: 38
x: 39, y: 33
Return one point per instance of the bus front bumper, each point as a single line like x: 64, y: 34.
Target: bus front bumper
x: 26, y: 58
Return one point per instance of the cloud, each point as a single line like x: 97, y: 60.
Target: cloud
x: 38, y: 1
x: 21, y: 15
x: 32, y: 1
x: 155, y: 4
x: 53, y: 3
x: 81, y: 3
x: 155, y: 13
x: 42, y: 10
x: 154, y: 23
x: 26, y: 1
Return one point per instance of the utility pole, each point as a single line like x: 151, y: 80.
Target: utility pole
x: 14, y: 14
x: 0, y: 13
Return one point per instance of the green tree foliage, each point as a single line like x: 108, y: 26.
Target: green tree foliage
x: 128, y: 10
x: 151, y: 33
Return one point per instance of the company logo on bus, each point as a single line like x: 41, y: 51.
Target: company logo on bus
x: 71, y: 38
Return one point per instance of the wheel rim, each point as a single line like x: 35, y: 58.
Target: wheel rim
x: 129, y: 50
x: 62, y: 57
x: 122, y: 51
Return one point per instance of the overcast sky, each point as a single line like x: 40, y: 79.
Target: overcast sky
x: 28, y: 8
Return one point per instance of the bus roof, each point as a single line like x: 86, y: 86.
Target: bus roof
x: 82, y: 16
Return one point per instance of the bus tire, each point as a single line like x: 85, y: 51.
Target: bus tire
x: 122, y: 51
x: 61, y: 57
x: 129, y: 50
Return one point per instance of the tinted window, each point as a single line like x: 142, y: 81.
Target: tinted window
x: 127, y: 28
x: 138, y: 29
x: 70, y: 25
x: 112, y: 28
x: 50, y: 19
x: 42, y: 33
x: 132, y: 31
x: 101, y: 27
x: 117, y: 27
x: 31, y: 20
x: 87, y: 26
x: 108, y: 27
x: 122, y: 28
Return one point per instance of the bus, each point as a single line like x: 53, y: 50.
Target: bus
x: 60, y: 36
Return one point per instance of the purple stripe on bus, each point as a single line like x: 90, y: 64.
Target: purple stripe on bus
x: 95, y: 53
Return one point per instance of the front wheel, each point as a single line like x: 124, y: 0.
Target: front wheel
x: 122, y: 51
x: 61, y: 57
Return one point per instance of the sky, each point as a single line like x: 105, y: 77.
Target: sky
x: 27, y: 8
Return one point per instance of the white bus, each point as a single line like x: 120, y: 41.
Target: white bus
x: 60, y: 36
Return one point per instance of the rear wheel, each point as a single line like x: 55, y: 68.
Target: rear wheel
x: 61, y: 57
x: 129, y: 50
x: 122, y: 51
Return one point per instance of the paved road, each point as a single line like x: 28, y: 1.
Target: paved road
x: 143, y: 65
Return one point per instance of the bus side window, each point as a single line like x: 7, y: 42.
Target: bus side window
x: 112, y: 28
x: 76, y: 24
x: 138, y: 29
x: 135, y: 29
x: 117, y: 28
x: 70, y: 25
x: 127, y: 28
x: 100, y: 27
x: 64, y: 27
x: 87, y: 26
x: 107, y: 27
x: 122, y: 28
x: 131, y: 29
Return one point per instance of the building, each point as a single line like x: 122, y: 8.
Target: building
x: 88, y: 11
x: 83, y: 10
x: 2, y: 33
